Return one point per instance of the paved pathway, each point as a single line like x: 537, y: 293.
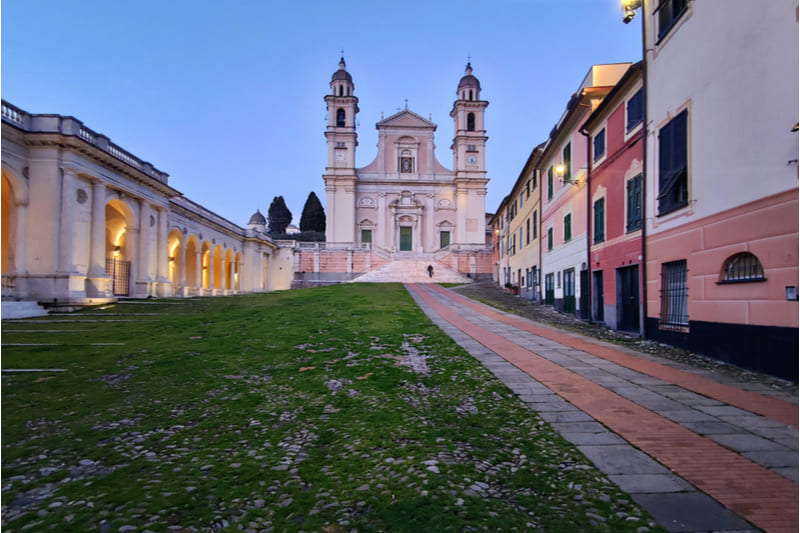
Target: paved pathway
x: 699, y: 455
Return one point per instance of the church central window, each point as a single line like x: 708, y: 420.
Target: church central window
x: 471, y: 122
x: 340, y: 118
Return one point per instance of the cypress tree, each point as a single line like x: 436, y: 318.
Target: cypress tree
x: 278, y: 216
x: 313, y: 218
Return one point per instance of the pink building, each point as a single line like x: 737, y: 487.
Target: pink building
x: 616, y: 154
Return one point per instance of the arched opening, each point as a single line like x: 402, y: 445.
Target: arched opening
x: 119, y: 256
x: 237, y: 273
x: 9, y: 229
x: 191, y: 262
x: 470, y: 94
x: 218, y: 263
x: 229, y: 269
x: 742, y: 267
x: 205, y: 260
x: 175, y: 253
x: 470, y: 121
x: 341, y: 90
x: 340, y: 116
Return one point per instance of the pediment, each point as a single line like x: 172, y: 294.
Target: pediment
x: 406, y: 119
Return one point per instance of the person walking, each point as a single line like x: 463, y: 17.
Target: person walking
x: 430, y: 271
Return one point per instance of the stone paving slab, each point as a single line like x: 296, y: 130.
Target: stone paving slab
x: 731, y: 478
x: 691, y: 511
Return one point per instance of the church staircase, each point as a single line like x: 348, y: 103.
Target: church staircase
x: 412, y: 271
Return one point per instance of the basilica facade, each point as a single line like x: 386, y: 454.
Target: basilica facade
x: 405, y: 203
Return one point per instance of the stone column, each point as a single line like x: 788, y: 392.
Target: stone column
x: 97, y: 282
x: 132, y: 236
x: 430, y: 243
x: 198, y: 270
x: 143, y: 272
x: 381, y: 224
x: 210, y: 270
x: 183, y: 262
x: 162, y: 266
x: 66, y: 244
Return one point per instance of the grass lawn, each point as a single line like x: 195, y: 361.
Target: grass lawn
x: 332, y: 409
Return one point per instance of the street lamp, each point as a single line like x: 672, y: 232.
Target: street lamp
x: 628, y: 8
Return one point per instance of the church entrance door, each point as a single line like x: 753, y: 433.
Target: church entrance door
x: 405, y: 238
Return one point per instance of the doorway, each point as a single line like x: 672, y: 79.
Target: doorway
x: 569, y: 291
x: 628, y: 298
x: 406, y: 237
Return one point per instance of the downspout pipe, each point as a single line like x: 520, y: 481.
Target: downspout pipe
x: 589, y: 220
x: 645, y: 137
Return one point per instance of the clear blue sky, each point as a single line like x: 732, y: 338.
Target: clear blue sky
x: 228, y: 97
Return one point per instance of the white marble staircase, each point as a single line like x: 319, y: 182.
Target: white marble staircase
x: 11, y: 310
x: 411, y: 271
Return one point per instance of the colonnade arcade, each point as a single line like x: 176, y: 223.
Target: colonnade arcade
x: 202, y: 267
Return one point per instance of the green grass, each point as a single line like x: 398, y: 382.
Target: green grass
x: 293, y: 410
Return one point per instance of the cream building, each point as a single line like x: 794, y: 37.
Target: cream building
x: 406, y: 203
x: 85, y: 221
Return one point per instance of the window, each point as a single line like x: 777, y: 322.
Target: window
x: 600, y: 144
x: 340, y: 118
x: 558, y: 280
x: 444, y: 239
x: 668, y: 12
x: 533, y: 180
x: 528, y: 231
x: 634, y: 110
x: 520, y: 278
x: 568, y: 227
x: 471, y: 148
x: 742, y: 267
x: 549, y: 239
x: 528, y: 189
x: 549, y: 184
x: 366, y: 235
x: 674, y: 296
x: 567, y: 157
x: 407, y: 165
x: 634, y: 203
x: 521, y: 197
x: 470, y: 121
x: 673, y: 180
x: 534, y: 224
x: 600, y: 220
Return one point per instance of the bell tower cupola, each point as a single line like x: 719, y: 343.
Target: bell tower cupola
x: 470, y: 138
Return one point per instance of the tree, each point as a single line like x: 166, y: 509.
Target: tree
x: 313, y: 218
x: 278, y: 216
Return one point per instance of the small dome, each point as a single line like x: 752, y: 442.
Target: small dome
x: 469, y: 80
x: 258, y: 219
x: 342, y: 74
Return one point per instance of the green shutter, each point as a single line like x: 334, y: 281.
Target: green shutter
x: 599, y: 220
x: 568, y: 228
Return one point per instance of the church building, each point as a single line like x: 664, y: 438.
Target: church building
x: 405, y: 203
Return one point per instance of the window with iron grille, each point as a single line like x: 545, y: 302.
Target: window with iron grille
x: 600, y: 220
x: 673, y: 182
x: 668, y: 12
x: 634, y: 110
x: 674, y: 296
x: 568, y: 228
x: 600, y: 144
x: 742, y: 267
x: 634, y: 191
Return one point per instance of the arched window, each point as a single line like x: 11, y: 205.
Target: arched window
x: 741, y: 267
x: 340, y: 118
x: 471, y: 122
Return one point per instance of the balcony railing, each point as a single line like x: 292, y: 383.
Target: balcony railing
x: 72, y: 127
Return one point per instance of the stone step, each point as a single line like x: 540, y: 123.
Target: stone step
x: 10, y: 310
x: 412, y: 271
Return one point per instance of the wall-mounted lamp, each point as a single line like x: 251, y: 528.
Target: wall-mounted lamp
x: 560, y: 171
x: 628, y: 9
x: 171, y: 259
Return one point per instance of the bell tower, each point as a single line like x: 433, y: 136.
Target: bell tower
x: 469, y: 160
x: 340, y: 174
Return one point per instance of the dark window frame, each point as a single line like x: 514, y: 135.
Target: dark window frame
x: 599, y: 220
x: 743, y: 267
x: 601, y: 152
x: 668, y: 13
x: 674, y: 292
x: 568, y: 227
x: 673, y: 164
x: 634, y: 103
x: 633, y: 192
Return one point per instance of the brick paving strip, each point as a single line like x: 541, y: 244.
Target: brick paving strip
x: 765, y: 498
x: 771, y: 408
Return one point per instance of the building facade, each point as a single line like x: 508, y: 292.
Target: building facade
x: 563, y: 169
x: 405, y: 204
x: 85, y: 221
x: 616, y: 165
x: 721, y: 184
